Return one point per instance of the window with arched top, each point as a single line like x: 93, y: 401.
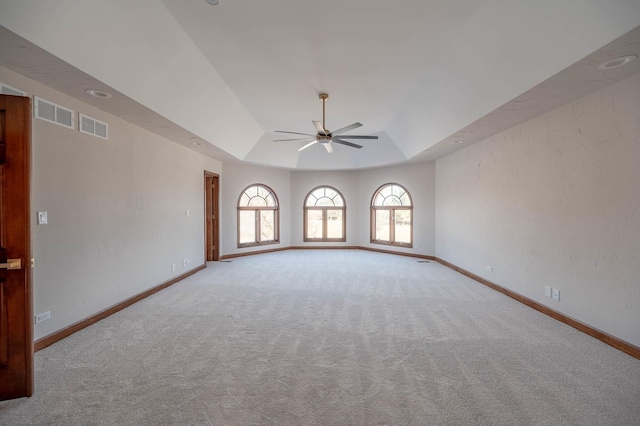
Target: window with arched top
x: 258, y: 219
x: 392, y: 216
x: 324, y: 215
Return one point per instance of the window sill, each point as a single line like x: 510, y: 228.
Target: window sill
x: 392, y: 243
x: 261, y: 243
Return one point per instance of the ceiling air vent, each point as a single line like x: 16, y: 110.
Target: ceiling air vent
x: 53, y: 113
x: 5, y: 89
x: 93, y: 127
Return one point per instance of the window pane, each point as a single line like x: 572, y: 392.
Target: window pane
x: 392, y: 200
x: 263, y: 192
x: 311, y: 200
x: 338, y: 202
x: 379, y: 200
x: 325, y: 202
x: 406, y: 201
x: 252, y: 191
x: 271, y: 201
x: 314, y: 223
x: 244, y: 200
x: 247, y: 226
x: 403, y: 226
x: 382, y: 225
x: 257, y: 202
x: 267, y: 225
x: 318, y: 193
x: 334, y: 224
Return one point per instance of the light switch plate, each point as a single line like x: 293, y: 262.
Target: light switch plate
x: 42, y: 218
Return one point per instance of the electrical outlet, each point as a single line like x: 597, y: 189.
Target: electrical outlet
x: 173, y: 267
x: 547, y: 291
x: 43, y: 317
x: 555, y: 295
x: 186, y: 212
x: 185, y: 262
x: 489, y: 268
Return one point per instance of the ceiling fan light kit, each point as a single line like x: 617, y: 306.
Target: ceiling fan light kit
x: 324, y: 136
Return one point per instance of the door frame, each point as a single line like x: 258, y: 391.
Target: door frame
x: 211, y: 216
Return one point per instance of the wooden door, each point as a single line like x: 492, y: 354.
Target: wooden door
x: 211, y: 191
x: 16, y: 326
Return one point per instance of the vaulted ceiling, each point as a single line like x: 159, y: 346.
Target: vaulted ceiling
x: 419, y: 74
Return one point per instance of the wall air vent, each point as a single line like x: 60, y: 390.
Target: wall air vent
x: 93, y: 127
x: 53, y: 113
x: 5, y: 89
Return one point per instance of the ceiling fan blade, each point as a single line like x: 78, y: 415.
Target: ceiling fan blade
x: 341, y: 142
x: 296, y: 133
x: 328, y: 146
x: 319, y: 128
x: 357, y: 137
x: 346, y: 128
x: 313, y: 142
x: 297, y: 139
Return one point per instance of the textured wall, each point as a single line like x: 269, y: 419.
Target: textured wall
x: 116, y: 211
x: 554, y: 201
x: 235, y: 178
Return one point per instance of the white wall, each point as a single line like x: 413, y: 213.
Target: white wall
x: 116, y: 211
x: 235, y: 179
x: 554, y: 202
x: 420, y: 180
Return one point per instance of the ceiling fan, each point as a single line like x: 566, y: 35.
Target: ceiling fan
x: 326, y: 137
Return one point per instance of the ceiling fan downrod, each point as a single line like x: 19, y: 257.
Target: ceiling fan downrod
x: 323, y: 97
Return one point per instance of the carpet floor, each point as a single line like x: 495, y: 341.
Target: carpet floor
x: 329, y: 337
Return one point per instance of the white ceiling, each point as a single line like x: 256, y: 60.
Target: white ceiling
x: 417, y: 73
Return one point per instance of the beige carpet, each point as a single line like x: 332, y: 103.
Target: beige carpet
x: 324, y: 337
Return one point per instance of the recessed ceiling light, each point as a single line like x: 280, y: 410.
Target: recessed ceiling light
x: 98, y: 93
x: 196, y: 143
x: 617, y: 62
x: 212, y: 2
x: 457, y: 142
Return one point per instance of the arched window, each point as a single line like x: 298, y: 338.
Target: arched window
x: 392, y: 216
x: 324, y: 215
x: 258, y: 220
